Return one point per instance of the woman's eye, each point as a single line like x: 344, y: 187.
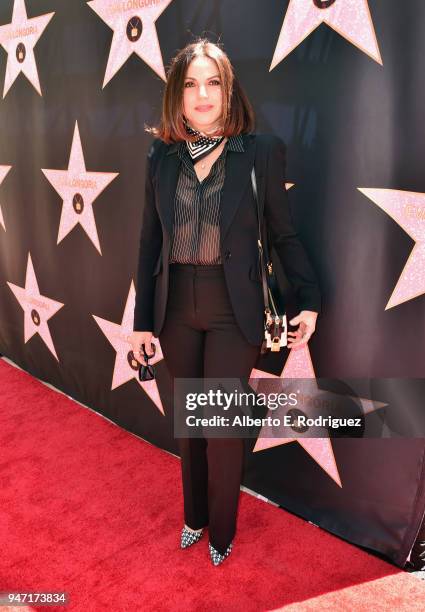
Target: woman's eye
x: 214, y: 81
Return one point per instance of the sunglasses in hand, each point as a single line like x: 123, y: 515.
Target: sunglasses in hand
x: 147, y: 372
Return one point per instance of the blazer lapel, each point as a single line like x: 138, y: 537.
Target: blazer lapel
x: 168, y: 174
x: 238, y: 174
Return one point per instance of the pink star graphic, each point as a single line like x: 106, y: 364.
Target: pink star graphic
x: 299, y: 365
x: 350, y: 18
x: 78, y: 190
x: 126, y: 366
x: 19, y: 38
x: 133, y: 23
x: 38, y: 309
x: 407, y: 208
x: 3, y: 172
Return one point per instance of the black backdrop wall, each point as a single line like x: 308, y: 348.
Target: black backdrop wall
x: 352, y: 117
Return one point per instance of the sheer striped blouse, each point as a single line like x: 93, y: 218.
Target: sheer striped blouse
x: 196, y: 230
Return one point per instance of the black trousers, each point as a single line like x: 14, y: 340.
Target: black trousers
x: 201, y: 339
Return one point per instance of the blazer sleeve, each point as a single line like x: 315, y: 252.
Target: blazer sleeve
x: 150, y: 244
x: 285, y: 240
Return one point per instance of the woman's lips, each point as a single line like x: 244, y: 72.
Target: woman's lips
x: 203, y: 108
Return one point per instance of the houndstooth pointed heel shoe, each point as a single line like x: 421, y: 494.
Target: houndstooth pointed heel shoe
x: 217, y: 557
x: 190, y: 537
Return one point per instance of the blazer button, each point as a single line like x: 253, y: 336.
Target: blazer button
x: 227, y: 254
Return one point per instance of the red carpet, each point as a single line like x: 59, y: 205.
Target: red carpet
x: 90, y: 509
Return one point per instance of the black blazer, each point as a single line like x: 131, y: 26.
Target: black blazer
x: 238, y: 234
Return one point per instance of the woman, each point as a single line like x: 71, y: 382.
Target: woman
x: 198, y: 284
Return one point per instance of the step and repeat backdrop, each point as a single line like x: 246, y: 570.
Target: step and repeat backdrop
x: 341, y: 82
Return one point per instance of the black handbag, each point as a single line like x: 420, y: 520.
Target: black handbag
x: 275, y: 324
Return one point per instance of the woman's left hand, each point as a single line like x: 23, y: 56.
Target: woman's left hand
x: 307, y: 321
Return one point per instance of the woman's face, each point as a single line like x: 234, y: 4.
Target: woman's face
x: 202, y: 94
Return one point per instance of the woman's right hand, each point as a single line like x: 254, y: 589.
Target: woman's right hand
x: 136, y: 340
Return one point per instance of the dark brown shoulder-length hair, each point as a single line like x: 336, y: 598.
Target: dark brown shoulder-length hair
x: 238, y: 114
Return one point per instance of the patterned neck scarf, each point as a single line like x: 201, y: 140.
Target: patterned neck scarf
x: 203, y: 145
